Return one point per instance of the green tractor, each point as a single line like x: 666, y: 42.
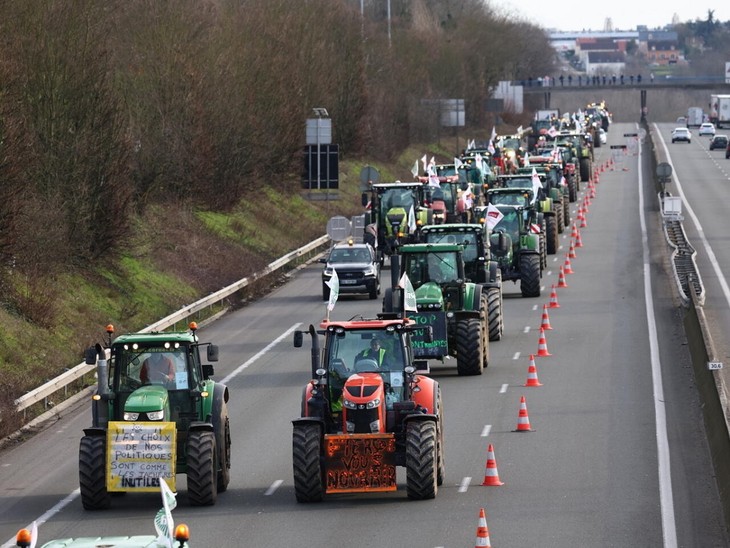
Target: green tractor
x: 397, y: 210
x: 479, y: 266
x: 455, y: 309
x: 581, y: 153
x: 516, y: 245
x: 549, y: 213
x: 156, y: 413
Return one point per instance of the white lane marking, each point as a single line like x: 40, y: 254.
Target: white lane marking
x: 48, y: 514
x: 526, y: 329
x: 260, y: 353
x: 504, y: 388
x: 666, y: 498
x: 464, y: 484
x: 516, y: 355
x: 274, y: 486
x: 486, y: 430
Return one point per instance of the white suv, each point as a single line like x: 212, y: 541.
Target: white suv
x: 681, y: 134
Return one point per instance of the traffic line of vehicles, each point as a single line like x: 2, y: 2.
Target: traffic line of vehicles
x: 451, y: 237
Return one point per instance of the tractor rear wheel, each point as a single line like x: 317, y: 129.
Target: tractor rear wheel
x: 306, y: 457
x: 494, y: 306
x: 421, y: 460
x: 441, y: 466
x: 572, y: 189
x: 559, y: 216
x: 92, y: 473
x: 202, y: 468
x: 585, y: 169
x: 530, y: 275
x: 469, y: 347
x: 566, y: 211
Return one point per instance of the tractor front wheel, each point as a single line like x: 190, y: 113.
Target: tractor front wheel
x: 202, y: 468
x: 421, y: 460
x: 307, y: 461
x: 530, y: 275
x: 224, y: 464
x: 494, y: 307
x: 92, y: 473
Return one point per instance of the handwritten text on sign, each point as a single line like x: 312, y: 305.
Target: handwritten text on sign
x: 139, y: 454
x: 360, y: 463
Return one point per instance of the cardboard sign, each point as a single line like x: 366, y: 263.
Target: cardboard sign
x: 360, y: 463
x: 439, y: 347
x: 139, y: 454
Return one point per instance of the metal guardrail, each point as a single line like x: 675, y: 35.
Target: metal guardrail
x: 66, y: 378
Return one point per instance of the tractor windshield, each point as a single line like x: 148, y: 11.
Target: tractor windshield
x: 441, y: 268
x: 353, y: 351
x: 510, y: 223
x: 137, y: 365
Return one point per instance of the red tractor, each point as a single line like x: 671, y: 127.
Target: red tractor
x: 366, y: 411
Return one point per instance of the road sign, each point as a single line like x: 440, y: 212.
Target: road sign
x: 339, y: 228
x: 664, y: 170
x: 714, y: 366
x: 368, y: 175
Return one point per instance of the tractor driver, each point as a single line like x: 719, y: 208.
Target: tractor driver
x: 158, y: 367
x: 376, y: 353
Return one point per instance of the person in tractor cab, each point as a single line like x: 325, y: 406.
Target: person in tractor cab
x: 374, y: 353
x: 157, y: 368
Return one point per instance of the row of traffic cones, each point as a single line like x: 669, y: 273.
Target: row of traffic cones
x: 491, y: 474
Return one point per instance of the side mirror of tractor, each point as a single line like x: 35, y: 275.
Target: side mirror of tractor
x: 298, y: 339
x: 364, y: 199
x: 212, y: 352
x: 90, y: 356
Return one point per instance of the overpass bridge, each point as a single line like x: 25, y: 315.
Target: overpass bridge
x: 709, y: 84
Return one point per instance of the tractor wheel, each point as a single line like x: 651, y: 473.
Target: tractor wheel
x: 224, y: 457
x: 566, y: 211
x: 92, y: 473
x: 572, y: 189
x: 551, y: 234
x: 585, y: 169
x: 530, y: 275
x: 543, y: 247
x: 325, y: 292
x: 484, y: 325
x: 559, y: 216
x: 469, y: 347
x: 202, y: 468
x: 494, y: 306
x: 306, y: 456
x: 421, y: 460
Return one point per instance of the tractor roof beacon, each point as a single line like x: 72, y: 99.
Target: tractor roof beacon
x: 376, y: 406
x: 177, y: 420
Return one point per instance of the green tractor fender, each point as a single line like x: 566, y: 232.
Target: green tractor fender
x: 493, y: 277
x: 546, y: 206
x: 555, y: 194
x: 472, y: 298
x: 529, y: 243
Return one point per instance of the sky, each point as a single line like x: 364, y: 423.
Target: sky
x: 576, y: 15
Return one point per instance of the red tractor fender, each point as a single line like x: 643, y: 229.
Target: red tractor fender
x: 427, y: 394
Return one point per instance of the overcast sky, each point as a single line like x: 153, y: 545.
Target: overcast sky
x: 571, y: 15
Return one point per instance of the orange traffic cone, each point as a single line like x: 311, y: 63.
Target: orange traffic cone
x: 532, y: 379
x: 482, y: 531
x: 568, y: 268
x: 561, y: 278
x: 523, y: 422
x: 491, y: 475
x: 554, y: 298
x: 583, y: 222
x: 542, y: 345
x: 571, y: 250
x: 578, y: 239
x: 545, y: 319
x: 574, y: 232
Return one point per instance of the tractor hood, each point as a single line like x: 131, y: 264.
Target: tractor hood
x: 429, y: 293
x: 147, y: 398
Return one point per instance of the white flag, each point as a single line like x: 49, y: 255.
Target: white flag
x: 457, y: 163
x: 409, y: 294
x: 519, y: 130
x: 526, y: 161
x: 33, y: 534
x: 424, y: 159
x: 411, y: 220
x: 414, y: 169
x: 494, y: 215
x: 494, y: 134
x: 490, y: 147
x: 164, y: 524
x: 334, y: 285
x: 536, y: 184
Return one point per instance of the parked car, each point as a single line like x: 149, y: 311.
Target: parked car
x: 681, y: 134
x: 358, y: 269
x: 706, y: 129
x: 719, y: 142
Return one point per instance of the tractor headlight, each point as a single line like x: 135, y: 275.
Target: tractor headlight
x: 347, y: 404
x: 156, y: 415
x: 372, y: 404
x: 130, y: 416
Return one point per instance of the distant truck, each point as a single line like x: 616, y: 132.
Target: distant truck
x: 720, y: 110
x: 695, y: 117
